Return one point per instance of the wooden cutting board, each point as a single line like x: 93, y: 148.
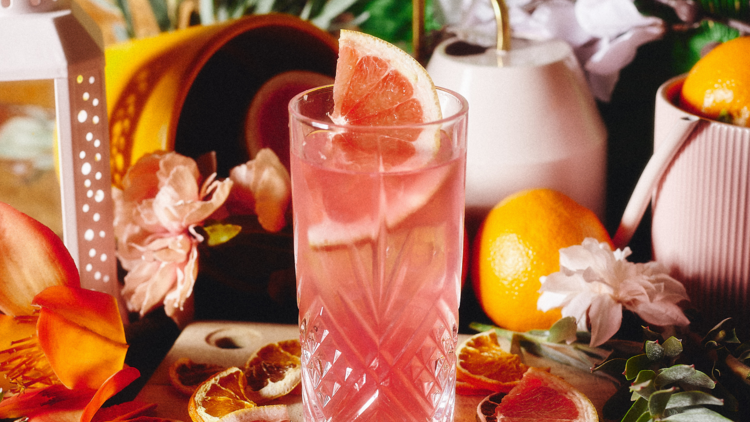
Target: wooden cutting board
x: 231, y: 343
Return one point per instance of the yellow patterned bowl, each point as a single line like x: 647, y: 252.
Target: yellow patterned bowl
x: 190, y: 90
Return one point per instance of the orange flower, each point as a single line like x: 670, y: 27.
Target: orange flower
x: 32, y: 258
x: 61, y: 347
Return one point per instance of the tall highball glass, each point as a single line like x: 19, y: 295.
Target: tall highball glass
x: 378, y: 236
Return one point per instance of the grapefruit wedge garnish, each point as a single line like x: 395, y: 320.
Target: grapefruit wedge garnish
x: 541, y: 397
x: 376, y: 85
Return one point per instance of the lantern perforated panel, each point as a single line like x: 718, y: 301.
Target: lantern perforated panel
x: 89, y: 166
x: 55, y: 40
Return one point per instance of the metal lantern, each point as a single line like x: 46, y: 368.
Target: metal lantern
x: 55, y: 40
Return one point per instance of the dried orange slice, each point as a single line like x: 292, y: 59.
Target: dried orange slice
x: 541, y: 397
x: 186, y: 375
x: 219, y: 396
x: 273, y: 371
x: 485, y: 365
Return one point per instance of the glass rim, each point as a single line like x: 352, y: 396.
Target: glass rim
x: 320, y: 124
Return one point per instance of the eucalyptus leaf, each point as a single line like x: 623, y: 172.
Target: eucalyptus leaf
x: 644, y: 388
x: 559, y: 353
x: 693, y: 398
x: 654, y: 350
x: 645, y: 375
x: 650, y: 334
x: 646, y: 417
x: 685, y: 374
x: 564, y: 330
x: 611, y: 366
x: 635, y: 365
x: 638, y: 408
x: 672, y: 347
x: 657, y: 402
x: 698, y: 414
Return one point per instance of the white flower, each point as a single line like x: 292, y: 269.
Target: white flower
x: 594, y: 284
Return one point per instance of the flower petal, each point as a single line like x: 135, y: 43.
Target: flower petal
x: 60, y: 404
x: 84, y: 321
x: 40, y: 402
x: 109, y: 388
x: 606, y: 316
x: 262, y: 186
x: 32, y: 258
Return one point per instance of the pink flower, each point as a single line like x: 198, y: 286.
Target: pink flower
x: 262, y: 186
x: 594, y: 284
x: 161, y: 203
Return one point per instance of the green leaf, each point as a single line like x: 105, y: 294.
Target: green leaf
x: 672, y: 347
x: 685, y: 374
x: 639, y: 408
x: 693, y: 398
x: 646, y: 417
x: 699, y: 414
x: 221, y: 233
x: 654, y: 351
x: 650, y: 334
x: 645, y: 375
x: 635, y: 365
x: 612, y: 366
x: 722, y: 333
x: 564, y: 330
x: 643, y: 386
x: 657, y: 403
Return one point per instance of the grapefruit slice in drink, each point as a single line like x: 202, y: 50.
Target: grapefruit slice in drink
x: 376, y: 85
x: 541, y: 397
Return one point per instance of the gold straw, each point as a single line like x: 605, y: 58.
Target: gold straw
x: 418, y: 29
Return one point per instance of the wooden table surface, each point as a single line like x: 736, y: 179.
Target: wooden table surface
x: 231, y: 343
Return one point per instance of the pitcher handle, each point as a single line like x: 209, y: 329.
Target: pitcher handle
x: 652, y: 174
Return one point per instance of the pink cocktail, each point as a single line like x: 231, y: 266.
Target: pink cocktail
x: 378, y: 246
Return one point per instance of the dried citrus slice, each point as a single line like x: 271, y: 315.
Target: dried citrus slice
x: 219, y: 396
x: 484, y: 364
x: 270, y: 413
x: 186, y: 375
x: 378, y: 84
x: 540, y: 396
x: 273, y: 371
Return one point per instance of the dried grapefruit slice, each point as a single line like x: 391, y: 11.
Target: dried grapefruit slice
x: 273, y: 371
x: 540, y: 396
x: 484, y: 364
x: 378, y: 84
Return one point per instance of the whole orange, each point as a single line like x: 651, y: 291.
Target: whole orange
x: 718, y: 85
x: 520, y: 241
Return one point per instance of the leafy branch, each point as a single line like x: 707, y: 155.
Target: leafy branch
x: 562, y: 343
